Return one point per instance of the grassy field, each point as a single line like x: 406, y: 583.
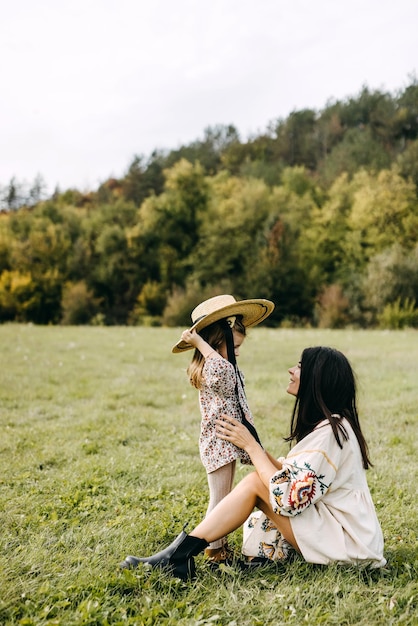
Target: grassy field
x: 99, y: 459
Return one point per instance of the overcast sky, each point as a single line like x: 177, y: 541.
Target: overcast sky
x: 87, y: 84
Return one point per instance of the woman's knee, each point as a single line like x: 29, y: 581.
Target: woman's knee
x: 253, y: 483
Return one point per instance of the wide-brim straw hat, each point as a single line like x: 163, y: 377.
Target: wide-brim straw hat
x: 253, y: 312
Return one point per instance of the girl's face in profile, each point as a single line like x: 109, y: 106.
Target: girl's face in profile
x: 238, y: 339
x: 294, y: 382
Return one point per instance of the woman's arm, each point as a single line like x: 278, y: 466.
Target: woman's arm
x: 275, y: 462
x: 231, y: 429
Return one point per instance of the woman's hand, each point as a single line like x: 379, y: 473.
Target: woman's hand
x: 231, y: 429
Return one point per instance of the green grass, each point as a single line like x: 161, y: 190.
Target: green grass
x: 99, y: 458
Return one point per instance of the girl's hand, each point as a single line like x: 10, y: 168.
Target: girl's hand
x: 231, y: 429
x: 194, y: 339
x: 190, y: 336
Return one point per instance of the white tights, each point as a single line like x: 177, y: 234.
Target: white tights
x: 220, y: 484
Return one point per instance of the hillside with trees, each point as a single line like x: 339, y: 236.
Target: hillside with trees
x: 319, y: 214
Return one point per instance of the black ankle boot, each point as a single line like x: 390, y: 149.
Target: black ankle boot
x: 177, y: 558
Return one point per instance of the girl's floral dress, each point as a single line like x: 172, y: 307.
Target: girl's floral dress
x: 217, y: 396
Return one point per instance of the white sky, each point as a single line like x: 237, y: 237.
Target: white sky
x: 87, y: 84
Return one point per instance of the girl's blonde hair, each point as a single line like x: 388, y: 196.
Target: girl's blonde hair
x: 214, y: 335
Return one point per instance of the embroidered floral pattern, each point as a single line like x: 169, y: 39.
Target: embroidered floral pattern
x: 261, y: 538
x: 302, y: 491
x: 251, y: 521
x: 295, y: 487
x: 267, y: 549
x: 268, y: 525
x: 278, y: 550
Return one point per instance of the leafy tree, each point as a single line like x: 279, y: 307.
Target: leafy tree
x: 236, y: 155
x: 301, y: 182
x: 280, y: 275
x: 406, y: 118
x: 360, y: 218
x: 284, y: 262
x: 150, y: 303
x: 143, y: 178
x: 399, y: 314
x: 37, y: 191
x: 269, y: 172
x: 332, y: 308
x: 384, y: 211
x: 366, y: 108
x: 18, y: 194
x: 207, y: 152
x: 78, y: 304
x: 296, y: 142
x: 169, y: 225
x: 13, y: 197
x: 329, y: 130
x: 391, y: 275
x: 358, y: 149
x: 45, y: 247
x: 228, y: 229
x: 15, y: 292
x: 407, y: 162
x: 40, y: 247
x: 326, y: 237
x: 5, y: 242
x: 25, y: 299
x: 113, y: 276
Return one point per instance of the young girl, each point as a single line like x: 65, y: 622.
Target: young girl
x: 316, y: 498
x: 218, y: 330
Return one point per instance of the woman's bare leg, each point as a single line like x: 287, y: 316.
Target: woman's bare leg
x: 234, y: 509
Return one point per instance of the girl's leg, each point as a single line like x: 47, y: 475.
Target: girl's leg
x: 234, y: 509
x: 220, y: 484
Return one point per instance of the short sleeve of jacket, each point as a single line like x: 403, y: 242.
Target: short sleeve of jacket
x: 307, y: 472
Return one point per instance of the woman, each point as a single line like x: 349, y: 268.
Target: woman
x: 317, y: 498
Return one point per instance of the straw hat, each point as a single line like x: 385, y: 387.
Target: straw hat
x: 253, y: 312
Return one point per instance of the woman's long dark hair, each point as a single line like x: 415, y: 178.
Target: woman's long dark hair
x: 327, y: 390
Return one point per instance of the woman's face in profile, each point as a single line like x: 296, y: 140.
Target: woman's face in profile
x: 294, y: 382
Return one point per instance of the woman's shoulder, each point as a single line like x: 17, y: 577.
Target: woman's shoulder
x: 325, y: 425
x: 322, y: 429
x: 321, y: 434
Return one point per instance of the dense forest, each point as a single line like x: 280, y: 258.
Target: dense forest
x: 319, y: 213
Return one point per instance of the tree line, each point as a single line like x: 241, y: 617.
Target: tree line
x: 319, y: 213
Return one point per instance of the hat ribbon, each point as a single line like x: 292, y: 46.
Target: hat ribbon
x: 231, y: 320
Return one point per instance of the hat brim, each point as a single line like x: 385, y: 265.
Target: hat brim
x: 253, y: 312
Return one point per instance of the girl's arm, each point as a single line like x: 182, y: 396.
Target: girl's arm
x: 195, y: 340
x: 230, y: 429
